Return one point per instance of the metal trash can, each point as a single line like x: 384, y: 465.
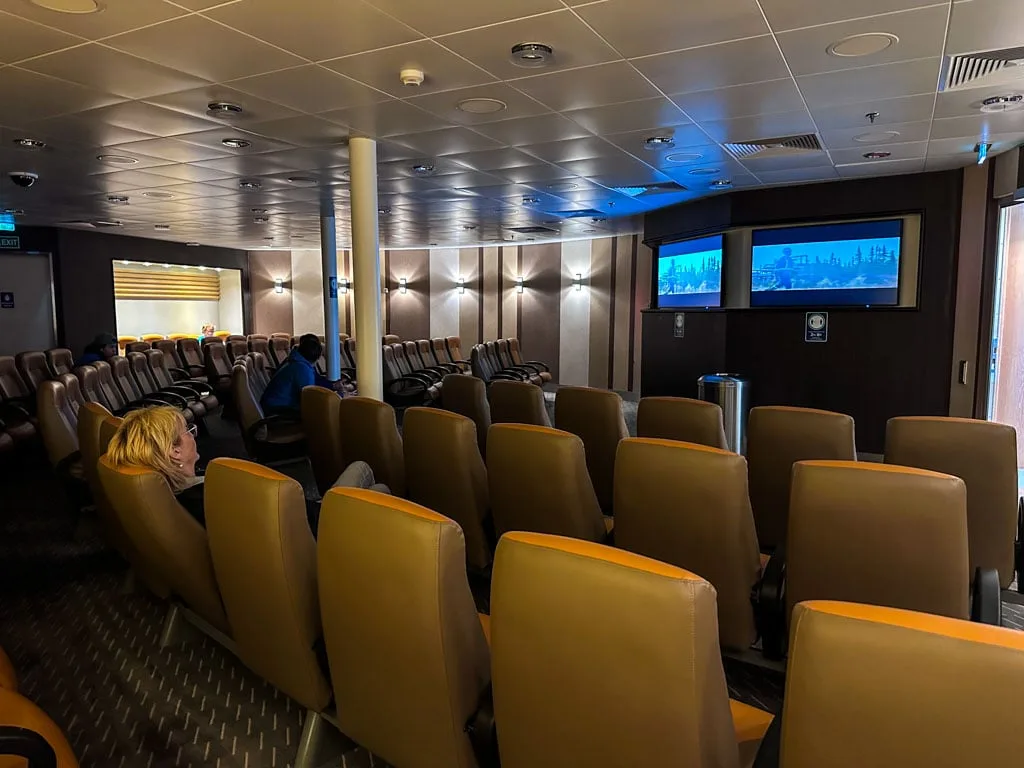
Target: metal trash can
x: 732, y: 393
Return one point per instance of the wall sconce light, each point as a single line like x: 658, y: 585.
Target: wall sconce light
x: 461, y: 285
x: 343, y: 285
x: 402, y: 285
x: 278, y: 285
x: 578, y: 282
x: 519, y: 284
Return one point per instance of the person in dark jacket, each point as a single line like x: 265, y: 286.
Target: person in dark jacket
x: 99, y: 350
x: 284, y: 392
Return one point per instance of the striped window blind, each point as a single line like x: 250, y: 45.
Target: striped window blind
x: 190, y: 285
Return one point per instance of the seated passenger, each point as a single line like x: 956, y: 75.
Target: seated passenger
x: 208, y: 330
x: 159, y: 439
x: 284, y: 392
x: 99, y: 350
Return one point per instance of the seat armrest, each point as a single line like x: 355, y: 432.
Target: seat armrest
x: 14, y: 411
x: 768, y: 599
x: 22, y: 742
x: 168, y: 398
x: 538, y: 363
x: 986, y: 597
x: 179, y: 373
x: 268, y: 421
x: 482, y: 732
x: 421, y: 385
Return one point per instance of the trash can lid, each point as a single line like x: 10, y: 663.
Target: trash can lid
x: 725, y: 379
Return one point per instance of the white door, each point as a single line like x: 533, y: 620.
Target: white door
x: 28, y: 325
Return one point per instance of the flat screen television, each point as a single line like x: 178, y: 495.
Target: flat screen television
x: 690, y: 273
x: 856, y: 264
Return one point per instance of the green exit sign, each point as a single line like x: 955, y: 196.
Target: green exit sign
x: 11, y: 242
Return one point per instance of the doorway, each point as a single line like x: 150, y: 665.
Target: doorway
x: 27, y: 320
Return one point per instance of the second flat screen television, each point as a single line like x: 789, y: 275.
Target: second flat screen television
x: 855, y: 264
x: 690, y: 273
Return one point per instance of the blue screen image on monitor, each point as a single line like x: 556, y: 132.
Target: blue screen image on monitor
x: 855, y: 264
x: 690, y: 273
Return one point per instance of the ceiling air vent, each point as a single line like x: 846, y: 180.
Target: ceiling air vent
x: 973, y: 69
x: 533, y: 230
x: 779, y: 147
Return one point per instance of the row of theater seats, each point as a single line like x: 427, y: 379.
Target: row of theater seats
x: 25, y: 730
x: 420, y: 679
x: 502, y: 360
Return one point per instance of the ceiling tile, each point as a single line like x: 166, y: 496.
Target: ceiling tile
x: 171, y: 150
x: 921, y: 34
x: 446, y: 105
x: 741, y: 100
x: 682, y: 135
x: 527, y: 130
x: 309, y: 89
x: 145, y: 118
x: 910, y: 149
x: 72, y: 130
x: 796, y: 175
x: 882, y: 82
x: 629, y: 116
x: 978, y: 125
x: 450, y: 141
x: 715, y: 66
x: 212, y: 51
x: 39, y: 97
x: 195, y: 102
x: 795, y: 14
x: 315, y: 29
x: 587, y: 87
x: 642, y: 27
x: 214, y: 140
x: 306, y: 159
x: 302, y: 131
x: 125, y: 180
x: 984, y: 25
x: 965, y: 102
x: 783, y: 162
x: 198, y: 5
x: 117, y: 16
x: 385, y: 118
x: 104, y: 69
x: 964, y: 146
x: 873, y: 136
x: 573, y: 43
x: 760, y: 126
x: 453, y: 15
x: 890, y: 168
x: 541, y: 176
x: 185, y: 172
x: 573, y: 149
x: 22, y: 39
x: 494, y: 159
x: 901, y: 110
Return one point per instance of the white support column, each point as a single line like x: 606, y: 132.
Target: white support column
x: 329, y: 262
x: 366, y: 288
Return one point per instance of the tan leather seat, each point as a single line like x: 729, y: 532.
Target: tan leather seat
x: 777, y: 438
x: 272, y: 438
x: 90, y: 423
x: 683, y: 419
x: 89, y: 384
x: 442, y: 355
x: 408, y: 658
x: 444, y: 472
x: 321, y: 421
x: 8, y: 674
x: 603, y: 658
x: 218, y: 367
x: 518, y: 402
x: 61, y: 361
x: 369, y: 433
x: 190, y: 352
x: 108, y: 429
x: 878, y: 534
x: 17, y: 404
x: 862, y: 690
x: 236, y: 349
x: 687, y: 505
x: 390, y: 339
x: 467, y: 395
x: 172, y: 544
x: 151, y: 337
x: 169, y: 347
x: 984, y: 455
x: 264, y: 557
x: 160, y: 371
x: 33, y: 368
x: 58, y: 424
x: 517, y: 358
x: 18, y: 712
x: 279, y: 348
x: 137, y: 346
x: 596, y: 416
x: 538, y: 482
x: 123, y: 340
x: 138, y: 362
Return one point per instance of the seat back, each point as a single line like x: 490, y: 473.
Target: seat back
x: 137, y: 346
x: 426, y: 353
x: 408, y: 658
x: 515, y: 352
x: 90, y: 420
x: 108, y: 429
x: 347, y: 360
x: 683, y: 419
x: 123, y: 340
x: 321, y: 421
x: 233, y: 337
x: 89, y: 385
x: 984, y: 455
x: 596, y: 416
x: 151, y: 337
x: 504, y: 356
x: 861, y: 689
x: 191, y: 353
x: 454, y: 344
x: 492, y: 356
x: 278, y: 350
x: 18, y: 712
x: 440, y: 351
x: 567, y: 692
x: 264, y: 557
x: 224, y: 335
x: 538, y: 481
x: 12, y: 386
x: 236, y: 349
x: 518, y: 402
x: 687, y: 505
x: 444, y: 472
x: 170, y: 541
x: 878, y: 534
x: 247, y: 405
x: 391, y: 338
x: 75, y: 397
x: 350, y: 350
x: 216, y: 361
x: 480, y: 366
x: 261, y: 371
x: 58, y: 420
x: 398, y: 352
x: 33, y: 368
x: 176, y: 336
x: 121, y: 372
x: 159, y: 368
x: 369, y: 433
x: 169, y: 348
x: 467, y: 395
x: 139, y: 365
x: 61, y: 361
x: 777, y: 438
x: 412, y: 354
x: 260, y: 344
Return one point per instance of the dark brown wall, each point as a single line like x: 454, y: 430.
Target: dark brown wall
x: 409, y: 312
x: 877, y: 363
x: 271, y: 312
x: 670, y: 365
x: 85, y: 277
x: 539, y: 312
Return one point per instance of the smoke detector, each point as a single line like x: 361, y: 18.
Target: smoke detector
x: 411, y: 78
x: 1006, y: 103
x: 532, y: 55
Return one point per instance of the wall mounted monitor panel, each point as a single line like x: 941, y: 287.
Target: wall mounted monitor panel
x: 690, y: 273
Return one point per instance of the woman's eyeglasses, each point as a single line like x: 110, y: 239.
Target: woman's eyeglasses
x: 193, y: 430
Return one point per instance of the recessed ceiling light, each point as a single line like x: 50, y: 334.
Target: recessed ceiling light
x: 383, y: 211
x: 598, y: 220
x: 117, y: 159
x: 158, y: 195
x: 532, y: 55
x: 682, y: 157
x: 166, y: 266
x: 530, y: 200
x: 876, y: 137
x: 249, y: 184
x: 301, y: 180
x: 162, y: 228
x: 118, y: 199
x: 268, y: 238
x: 720, y: 184
x: 69, y: 6
x: 14, y: 211
x: 481, y: 106
x: 236, y: 143
x: 107, y: 223
x: 192, y: 245
x: 260, y: 219
x: 876, y: 155
x: 26, y: 143
x: 866, y: 44
x: 258, y: 210
x: 654, y: 143
x: 1002, y: 103
x: 423, y: 169
x: 223, y: 109
x: 564, y: 186
x: 704, y: 171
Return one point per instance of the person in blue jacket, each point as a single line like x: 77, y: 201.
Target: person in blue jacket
x: 100, y: 349
x: 284, y: 392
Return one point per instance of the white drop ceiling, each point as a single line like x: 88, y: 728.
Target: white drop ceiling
x: 135, y: 80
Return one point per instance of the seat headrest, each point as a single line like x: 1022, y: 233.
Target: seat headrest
x: 885, y: 687
x: 370, y: 433
x: 518, y: 402
x: 681, y: 418
x: 321, y: 413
